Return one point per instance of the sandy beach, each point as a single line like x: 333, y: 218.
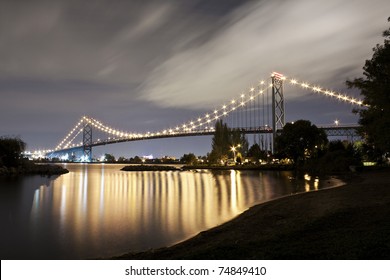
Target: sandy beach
x: 348, y: 222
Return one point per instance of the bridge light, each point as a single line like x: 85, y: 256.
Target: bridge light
x: 224, y: 107
x: 278, y: 75
x: 242, y: 95
x: 252, y: 89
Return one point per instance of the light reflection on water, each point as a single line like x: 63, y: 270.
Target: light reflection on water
x: 100, y: 211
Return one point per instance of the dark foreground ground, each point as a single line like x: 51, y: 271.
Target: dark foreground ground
x: 349, y: 222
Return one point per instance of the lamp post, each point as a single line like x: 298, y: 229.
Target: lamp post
x: 234, y: 149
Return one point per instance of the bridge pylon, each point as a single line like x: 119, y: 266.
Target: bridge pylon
x: 87, y: 139
x: 278, y: 112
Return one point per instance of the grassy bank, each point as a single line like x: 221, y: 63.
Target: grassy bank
x: 349, y: 222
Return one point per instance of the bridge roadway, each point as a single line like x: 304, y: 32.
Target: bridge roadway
x: 349, y: 131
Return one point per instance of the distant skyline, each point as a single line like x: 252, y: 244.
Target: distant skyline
x: 142, y: 66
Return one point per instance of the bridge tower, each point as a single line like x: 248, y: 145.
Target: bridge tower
x: 87, y: 139
x: 278, y: 114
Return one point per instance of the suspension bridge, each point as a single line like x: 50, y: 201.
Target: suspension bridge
x: 260, y: 110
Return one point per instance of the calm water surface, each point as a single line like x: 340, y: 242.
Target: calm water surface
x: 97, y: 210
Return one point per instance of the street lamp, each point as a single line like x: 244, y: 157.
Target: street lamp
x: 234, y: 149
x: 336, y: 122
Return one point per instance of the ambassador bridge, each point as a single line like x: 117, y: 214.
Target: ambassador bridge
x: 260, y: 111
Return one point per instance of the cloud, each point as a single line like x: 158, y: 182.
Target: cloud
x: 309, y: 39
x: 133, y: 64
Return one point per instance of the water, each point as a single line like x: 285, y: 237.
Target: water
x: 97, y: 210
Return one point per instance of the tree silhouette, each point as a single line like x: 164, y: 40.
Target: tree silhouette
x: 10, y: 151
x: 300, y: 140
x: 189, y: 159
x: 223, y: 140
x: 375, y: 87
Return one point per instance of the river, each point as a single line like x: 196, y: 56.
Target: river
x: 98, y: 211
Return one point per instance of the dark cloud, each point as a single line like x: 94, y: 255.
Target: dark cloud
x: 155, y: 63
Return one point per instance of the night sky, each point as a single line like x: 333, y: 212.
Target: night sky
x: 147, y: 65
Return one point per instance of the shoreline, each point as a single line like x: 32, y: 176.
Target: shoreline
x: 33, y: 169
x: 181, y: 167
x: 347, y: 222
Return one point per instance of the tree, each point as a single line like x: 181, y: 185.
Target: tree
x: 122, y: 159
x: 300, y: 140
x: 220, y: 143
x: 375, y: 87
x: 189, y: 159
x: 223, y: 140
x: 256, y: 153
x: 339, y: 157
x: 11, y: 151
x: 109, y: 158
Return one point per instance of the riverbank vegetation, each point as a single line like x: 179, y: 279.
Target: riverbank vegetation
x: 12, y: 162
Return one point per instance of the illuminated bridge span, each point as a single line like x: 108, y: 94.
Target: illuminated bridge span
x: 259, y: 110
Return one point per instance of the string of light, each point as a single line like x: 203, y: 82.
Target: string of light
x: 326, y: 92
x: 205, y: 122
